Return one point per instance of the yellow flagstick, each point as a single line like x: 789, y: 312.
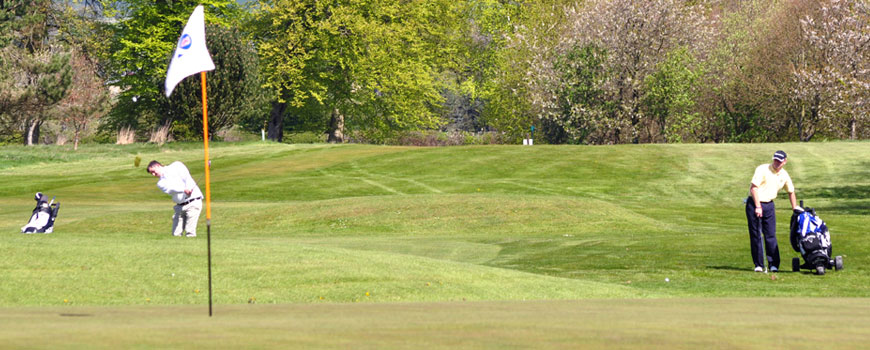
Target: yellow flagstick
x: 207, y: 184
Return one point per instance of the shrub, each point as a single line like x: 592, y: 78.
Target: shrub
x: 433, y: 138
x: 305, y: 137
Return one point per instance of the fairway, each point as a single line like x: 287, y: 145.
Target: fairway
x: 360, y: 246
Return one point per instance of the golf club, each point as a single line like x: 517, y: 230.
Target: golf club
x: 763, y: 251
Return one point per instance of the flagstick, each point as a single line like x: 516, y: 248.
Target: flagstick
x: 207, y: 185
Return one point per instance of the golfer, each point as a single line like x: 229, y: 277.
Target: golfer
x: 175, y: 180
x: 761, y: 213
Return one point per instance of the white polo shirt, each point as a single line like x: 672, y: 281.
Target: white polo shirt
x: 175, y: 179
x: 770, y: 182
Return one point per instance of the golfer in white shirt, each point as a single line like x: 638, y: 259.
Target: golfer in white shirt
x: 175, y: 180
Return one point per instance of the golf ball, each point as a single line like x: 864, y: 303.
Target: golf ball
x: 667, y: 279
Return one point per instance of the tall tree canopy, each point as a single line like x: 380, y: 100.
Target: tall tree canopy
x: 593, y: 71
x: 144, y: 37
x: 36, y: 69
x: 363, y: 64
x: 234, y: 86
x: 839, y: 81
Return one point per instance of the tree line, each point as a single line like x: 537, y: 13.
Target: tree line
x: 579, y: 72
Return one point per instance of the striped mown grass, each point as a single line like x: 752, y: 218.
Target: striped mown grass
x: 577, y: 226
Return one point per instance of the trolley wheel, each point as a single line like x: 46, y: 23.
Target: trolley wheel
x: 795, y: 264
x: 820, y: 270
x: 838, y: 263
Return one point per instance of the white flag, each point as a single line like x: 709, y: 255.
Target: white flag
x: 191, y: 55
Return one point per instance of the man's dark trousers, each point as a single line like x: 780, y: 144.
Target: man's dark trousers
x: 768, y: 227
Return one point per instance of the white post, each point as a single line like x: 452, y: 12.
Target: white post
x: 263, y: 134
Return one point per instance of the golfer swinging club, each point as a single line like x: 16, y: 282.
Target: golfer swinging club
x: 175, y: 180
x: 760, y: 211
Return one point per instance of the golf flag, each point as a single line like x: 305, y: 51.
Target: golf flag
x: 191, y: 55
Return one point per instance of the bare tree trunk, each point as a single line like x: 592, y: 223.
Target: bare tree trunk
x: 32, y: 137
x: 800, y: 123
x: 76, y: 141
x: 853, y: 124
x: 336, y: 127
x: 276, y: 122
x: 811, y: 128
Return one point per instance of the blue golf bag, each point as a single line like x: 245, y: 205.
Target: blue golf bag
x: 810, y: 237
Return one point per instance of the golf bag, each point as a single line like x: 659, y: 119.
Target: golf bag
x: 42, y: 219
x: 810, y: 237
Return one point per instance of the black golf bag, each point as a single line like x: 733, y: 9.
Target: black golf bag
x: 42, y: 219
x: 810, y: 237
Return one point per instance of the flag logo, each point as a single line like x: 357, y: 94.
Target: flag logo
x: 185, y: 42
x: 191, y: 54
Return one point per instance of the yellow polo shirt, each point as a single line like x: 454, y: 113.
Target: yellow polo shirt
x: 769, y: 182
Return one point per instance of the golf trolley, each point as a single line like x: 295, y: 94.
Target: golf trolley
x: 43, y: 216
x: 810, y: 237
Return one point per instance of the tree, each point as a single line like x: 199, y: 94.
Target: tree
x: 367, y: 65
x: 583, y: 106
x: 87, y: 102
x: 841, y: 80
x: 777, y: 53
x: 37, y: 63
x: 8, y: 94
x: 637, y: 36
x: 743, y: 76
x: 48, y: 77
x: 480, y: 36
x: 670, y: 95
x: 516, y: 84
x: 143, y: 39
x: 233, y: 88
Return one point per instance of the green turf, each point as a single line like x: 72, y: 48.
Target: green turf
x: 709, y: 323
x: 298, y: 224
